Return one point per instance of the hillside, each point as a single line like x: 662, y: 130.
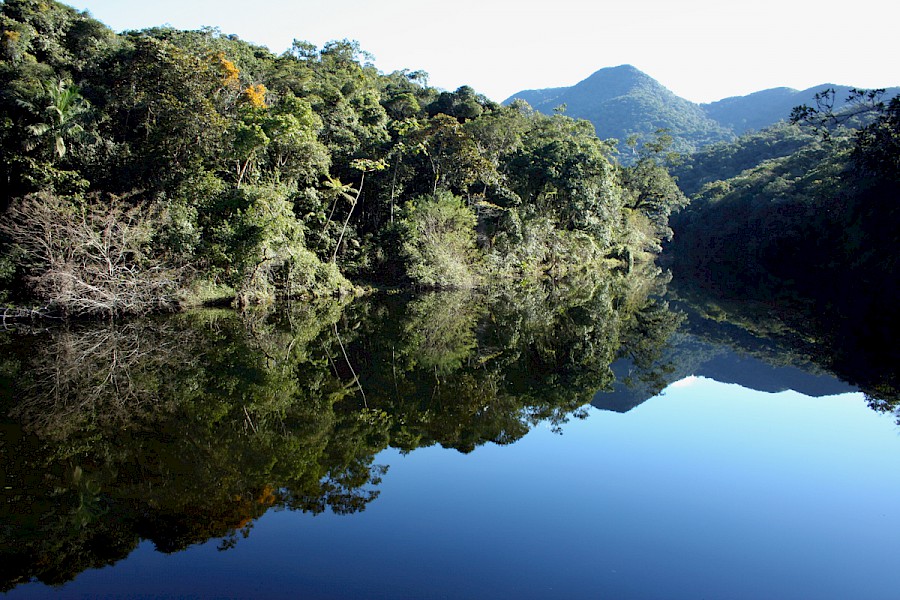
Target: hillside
x: 757, y: 110
x: 722, y: 161
x: 761, y: 109
x: 622, y: 101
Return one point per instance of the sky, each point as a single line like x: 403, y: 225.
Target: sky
x: 703, y: 50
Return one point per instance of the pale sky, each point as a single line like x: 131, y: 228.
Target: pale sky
x: 703, y: 50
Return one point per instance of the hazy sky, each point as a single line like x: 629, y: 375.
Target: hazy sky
x: 703, y: 50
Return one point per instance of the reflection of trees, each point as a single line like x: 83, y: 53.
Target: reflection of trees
x: 440, y: 329
x: 647, y: 332
x: 175, y: 432
x: 463, y: 369
x: 191, y: 427
x: 101, y: 377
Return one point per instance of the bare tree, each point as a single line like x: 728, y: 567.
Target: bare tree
x: 92, y: 255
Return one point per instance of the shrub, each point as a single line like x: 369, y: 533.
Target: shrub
x: 92, y: 255
x: 438, y: 234
x: 260, y: 244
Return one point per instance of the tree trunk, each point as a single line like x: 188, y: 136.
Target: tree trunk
x: 347, y: 220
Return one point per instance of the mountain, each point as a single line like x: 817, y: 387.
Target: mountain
x: 761, y: 109
x: 621, y: 101
x: 757, y: 110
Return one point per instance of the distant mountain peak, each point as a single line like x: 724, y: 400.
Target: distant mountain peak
x: 626, y: 68
x: 623, y: 100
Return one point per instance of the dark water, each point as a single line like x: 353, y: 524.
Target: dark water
x: 586, y: 441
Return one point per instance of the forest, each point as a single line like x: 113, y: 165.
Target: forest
x: 810, y: 202
x: 794, y: 228
x: 158, y: 169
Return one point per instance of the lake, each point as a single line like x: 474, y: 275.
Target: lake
x: 590, y: 441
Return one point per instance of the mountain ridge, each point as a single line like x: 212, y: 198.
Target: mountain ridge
x: 623, y: 100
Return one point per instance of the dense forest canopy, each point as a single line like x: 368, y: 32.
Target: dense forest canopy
x: 804, y: 200
x: 164, y: 166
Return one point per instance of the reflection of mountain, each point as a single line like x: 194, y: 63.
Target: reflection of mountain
x: 690, y: 355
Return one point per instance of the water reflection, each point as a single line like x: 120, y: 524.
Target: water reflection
x: 845, y: 326
x: 189, y: 428
x: 175, y: 432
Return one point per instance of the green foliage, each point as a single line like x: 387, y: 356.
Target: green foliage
x: 652, y: 193
x: 161, y: 114
x: 439, y: 241
x: 877, y: 151
x: 256, y: 242
x: 722, y: 161
x: 64, y: 105
x: 269, y: 166
x: 771, y: 205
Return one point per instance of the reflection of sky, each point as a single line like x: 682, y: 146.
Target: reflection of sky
x: 709, y: 490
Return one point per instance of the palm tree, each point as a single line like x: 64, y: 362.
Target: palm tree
x: 65, y: 105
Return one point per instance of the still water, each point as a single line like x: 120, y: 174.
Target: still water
x: 306, y: 457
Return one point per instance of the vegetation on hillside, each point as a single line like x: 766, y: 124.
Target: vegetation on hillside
x: 823, y: 208
x: 205, y: 167
x: 725, y: 160
x: 811, y: 234
x: 622, y: 102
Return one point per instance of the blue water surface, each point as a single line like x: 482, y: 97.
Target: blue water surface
x: 710, y: 490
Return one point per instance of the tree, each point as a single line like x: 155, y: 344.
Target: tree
x: 824, y: 119
x: 651, y: 189
x: 162, y: 114
x: 365, y: 166
x: 93, y: 256
x: 877, y: 151
x: 64, y: 108
x: 451, y: 152
x: 439, y: 241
